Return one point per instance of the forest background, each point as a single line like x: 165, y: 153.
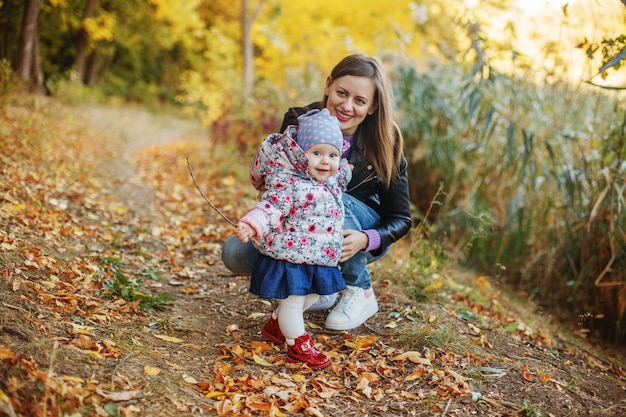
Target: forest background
x: 514, y: 118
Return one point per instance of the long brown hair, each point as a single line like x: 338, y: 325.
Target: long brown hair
x: 380, y: 135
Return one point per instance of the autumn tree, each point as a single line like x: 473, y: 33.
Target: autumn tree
x: 28, y: 66
x: 247, y: 20
x: 82, y: 43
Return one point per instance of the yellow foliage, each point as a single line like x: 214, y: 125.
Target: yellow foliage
x: 296, y: 44
x: 101, y: 27
x: 310, y: 37
x: 183, y: 22
x: 58, y: 3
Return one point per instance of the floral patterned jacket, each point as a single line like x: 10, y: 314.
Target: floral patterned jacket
x: 298, y: 219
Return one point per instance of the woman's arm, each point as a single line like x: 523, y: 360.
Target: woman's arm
x: 395, y: 209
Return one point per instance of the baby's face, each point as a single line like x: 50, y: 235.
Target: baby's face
x: 323, y: 161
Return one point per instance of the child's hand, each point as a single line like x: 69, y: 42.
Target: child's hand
x: 262, y: 191
x: 244, y: 232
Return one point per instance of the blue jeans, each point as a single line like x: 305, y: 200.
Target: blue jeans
x: 241, y: 257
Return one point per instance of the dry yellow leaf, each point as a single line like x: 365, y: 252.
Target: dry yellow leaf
x: 72, y: 379
x: 102, y: 318
x: 260, y: 361
x: 168, y: 338
x: 213, y: 394
x: 79, y: 329
x: 189, y: 379
x: 48, y: 284
x: 15, y: 208
x: 151, y: 370
x: 298, y: 378
x: 361, y: 342
x: 413, y: 356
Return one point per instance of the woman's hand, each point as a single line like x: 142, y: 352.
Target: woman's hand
x: 244, y: 232
x: 353, y: 241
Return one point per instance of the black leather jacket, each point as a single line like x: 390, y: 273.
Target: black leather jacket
x: 392, y: 204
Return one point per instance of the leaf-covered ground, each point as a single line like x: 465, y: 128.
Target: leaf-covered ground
x: 114, y: 301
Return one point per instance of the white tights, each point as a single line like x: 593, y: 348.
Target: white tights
x: 290, y: 315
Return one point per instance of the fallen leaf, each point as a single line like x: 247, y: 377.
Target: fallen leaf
x: 260, y: 361
x: 72, y: 379
x: 543, y: 377
x: 298, y: 378
x: 525, y: 374
x: 474, y: 328
x: 80, y: 329
x: 6, y: 353
x: 151, y: 370
x: 314, y: 411
x: 189, y: 379
x: 413, y: 356
x: 362, y: 342
x: 118, y: 395
x: 231, y: 328
x: 168, y: 338
x: 418, y: 373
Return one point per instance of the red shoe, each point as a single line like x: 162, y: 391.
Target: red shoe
x: 304, y: 351
x: 271, y: 331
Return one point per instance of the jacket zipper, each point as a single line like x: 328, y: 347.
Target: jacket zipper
x: 370, y: 177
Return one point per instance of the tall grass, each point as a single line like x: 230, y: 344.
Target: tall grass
x: 534, y: 179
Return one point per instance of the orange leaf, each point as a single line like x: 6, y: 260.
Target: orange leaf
x: 413, y: 356
x: 543, y: 377
x: 6, y: 353
x: 361, y: 342
x: 525, y: 374
x: 258, y: 403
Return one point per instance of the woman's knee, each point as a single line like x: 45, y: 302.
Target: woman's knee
x: 239, y: 257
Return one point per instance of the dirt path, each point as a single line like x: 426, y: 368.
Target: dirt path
x: 464, y: 352
x: 132, y: 131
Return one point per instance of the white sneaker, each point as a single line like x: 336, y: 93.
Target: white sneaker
x: 355, y: 307
x: 324, y: 302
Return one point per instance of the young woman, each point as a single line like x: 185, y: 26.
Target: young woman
x: 376, y: 202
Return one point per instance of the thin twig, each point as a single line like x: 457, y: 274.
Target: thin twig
x: 49, y: 376
x: 205, y: 197
x: 445, y: 411
x: 118, y: 366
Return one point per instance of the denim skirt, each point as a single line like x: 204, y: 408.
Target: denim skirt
x: 273, y: 278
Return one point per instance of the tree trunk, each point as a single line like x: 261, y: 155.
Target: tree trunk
x: 82, y: 41
x: 11, y: 15
x: 28, y: 67
x: 91, y: 70
x: 246, y: 40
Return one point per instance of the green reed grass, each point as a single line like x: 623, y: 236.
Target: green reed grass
x: 535, y: 171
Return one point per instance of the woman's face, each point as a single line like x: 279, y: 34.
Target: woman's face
x: 350, y: 99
